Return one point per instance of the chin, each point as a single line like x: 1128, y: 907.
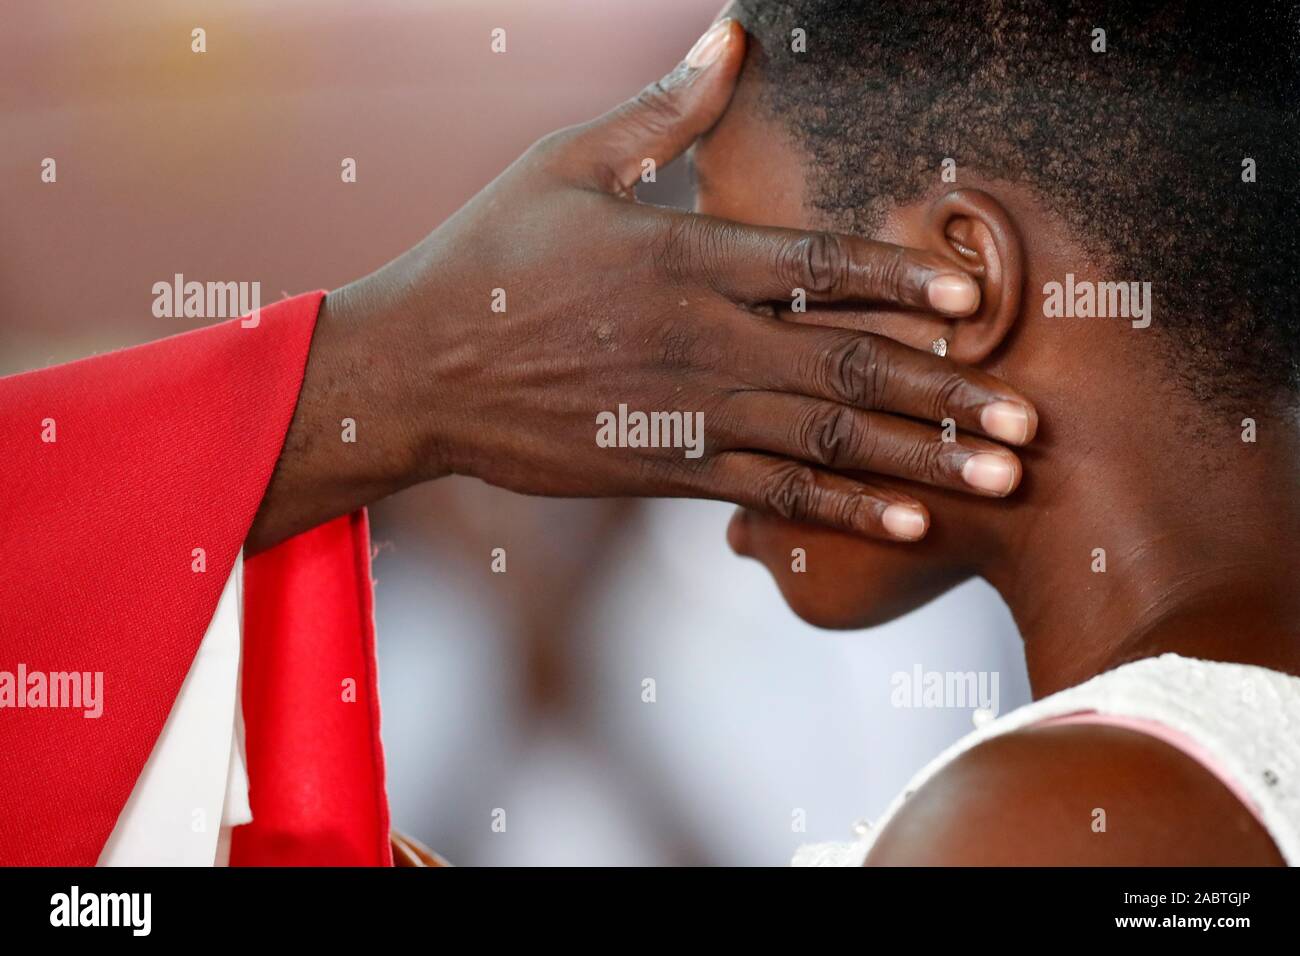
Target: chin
x: 849, y: 583
x: 846, y: 608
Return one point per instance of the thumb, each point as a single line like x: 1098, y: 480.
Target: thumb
x: 665, y: 118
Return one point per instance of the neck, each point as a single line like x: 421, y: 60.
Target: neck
x: 1152, y: 544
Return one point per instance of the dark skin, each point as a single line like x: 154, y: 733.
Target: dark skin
x: 611, y: 302
x: 1201, y: 530
x: 1028, y: 799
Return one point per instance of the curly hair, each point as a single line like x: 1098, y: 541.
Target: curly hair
x: 1139, y: 149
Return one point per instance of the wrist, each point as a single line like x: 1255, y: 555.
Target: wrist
x: 388, y: 361
x: 365, y: 382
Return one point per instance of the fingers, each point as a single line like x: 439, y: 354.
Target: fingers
x: 874, y: 373
x: 761, y: 264
x: 798, y: 492
x: 844, y: 438
x: 664, y: 119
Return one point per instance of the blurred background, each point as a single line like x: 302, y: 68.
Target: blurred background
x: 520, y: 691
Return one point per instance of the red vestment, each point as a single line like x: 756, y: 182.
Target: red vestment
x: 158, y: 451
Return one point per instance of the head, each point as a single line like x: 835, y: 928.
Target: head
x: 1004, y: 137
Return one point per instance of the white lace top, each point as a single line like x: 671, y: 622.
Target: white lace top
x: 1247, y: 719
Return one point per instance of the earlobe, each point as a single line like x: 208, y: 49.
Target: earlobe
x: 971, y: 228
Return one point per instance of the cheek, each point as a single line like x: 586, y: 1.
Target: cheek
x: 835, y: 580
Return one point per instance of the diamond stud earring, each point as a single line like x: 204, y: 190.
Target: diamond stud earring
x: 939, y: 347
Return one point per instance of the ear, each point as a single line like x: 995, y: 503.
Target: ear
x: 972, y: 229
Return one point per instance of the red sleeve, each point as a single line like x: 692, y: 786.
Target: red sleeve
x: 130, y: 482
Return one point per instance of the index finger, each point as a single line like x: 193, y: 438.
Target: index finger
x: 766, y: 263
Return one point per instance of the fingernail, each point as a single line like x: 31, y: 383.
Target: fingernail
x: 903, y: 521
x: 955, y: 294
x: 1008, y: 421
x: 992, y: 473
x: 710, y: 46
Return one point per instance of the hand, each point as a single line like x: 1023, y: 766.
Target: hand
x: 606, y: 304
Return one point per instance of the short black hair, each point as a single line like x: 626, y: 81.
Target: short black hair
x: 1139, y: 149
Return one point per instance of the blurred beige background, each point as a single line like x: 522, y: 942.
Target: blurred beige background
x: 520, y: 691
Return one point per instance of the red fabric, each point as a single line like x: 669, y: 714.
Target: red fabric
x: 160, y: 450
x: 311, y: 704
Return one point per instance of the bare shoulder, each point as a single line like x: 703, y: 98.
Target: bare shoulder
x: 1074, y: 795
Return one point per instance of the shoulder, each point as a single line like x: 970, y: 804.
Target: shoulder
x: 1082, y: 795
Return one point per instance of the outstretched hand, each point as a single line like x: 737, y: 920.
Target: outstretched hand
x: 521, y: 340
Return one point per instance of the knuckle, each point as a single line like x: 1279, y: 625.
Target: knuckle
x: 672, y: 252
x: 827, y: 435
x: 854, y: 511
x: 656, y: 109
x: 886, y: 279
x: 689, y: 247
x: 791, y: 491
x: 859, y: 372
x: 815, y: 262
x: 661, y: 473
x: 923, y: 460
x: 724, y: 411
x: 677, y: 345
x: 948, y: 395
